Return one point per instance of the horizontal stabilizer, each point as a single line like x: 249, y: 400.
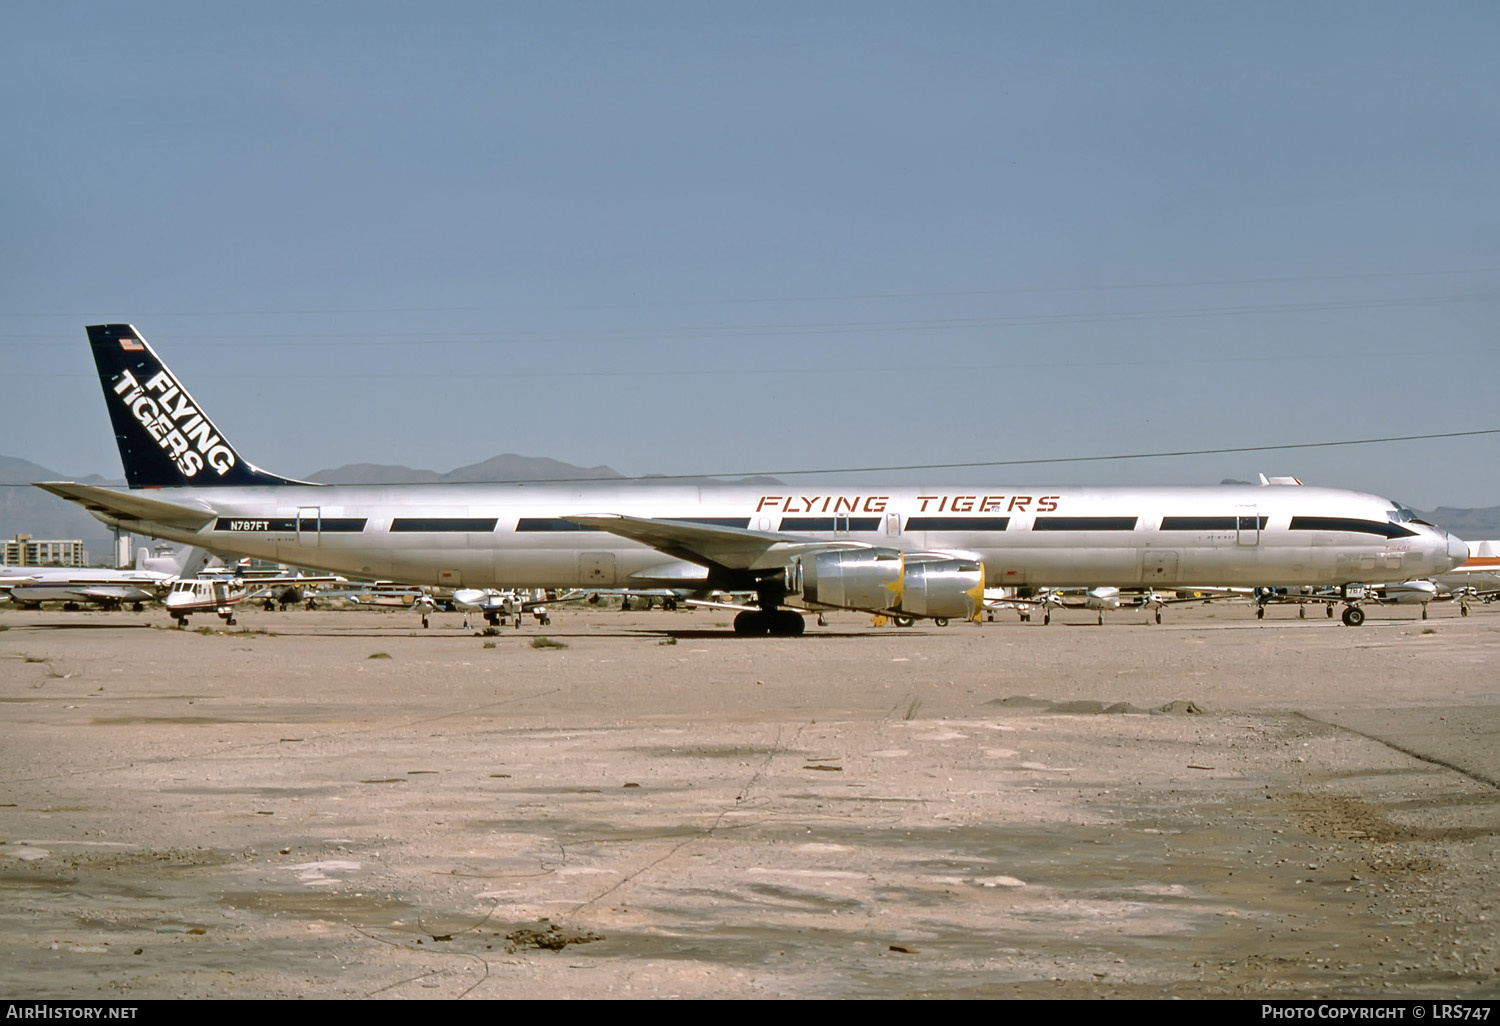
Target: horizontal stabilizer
x: 126, y: 508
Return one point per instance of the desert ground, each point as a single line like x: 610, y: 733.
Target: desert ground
x: 342, y: 804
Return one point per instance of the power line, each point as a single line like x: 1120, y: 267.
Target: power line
x: 1009, y: 463
x: 1082, y: 459
x: 833, y: 297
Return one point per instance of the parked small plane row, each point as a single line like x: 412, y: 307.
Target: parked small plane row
x: 902, y: 551
x: 29, y: 586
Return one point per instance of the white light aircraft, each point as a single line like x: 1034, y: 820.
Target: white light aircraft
x: 33, y: 585
x: 219, y: 594
x: 912, y: 552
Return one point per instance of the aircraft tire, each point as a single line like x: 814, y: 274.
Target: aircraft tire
x: 751, y: 624
x: 1046, y: 619
x: 903, y: 621
x: 940, y: 621
x: 788, y: 624
x: 1353, y: 616
x: 1260, y: 612
x: 1330, y: 611
x: 230, y: 621
x: 1158, y: 616
x: 1463, y: 610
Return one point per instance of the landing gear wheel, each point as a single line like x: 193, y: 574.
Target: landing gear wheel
x: 424, y: 619
x: 1101, y: 618
x: 1353, y: 616
x: 230, y: 621
x: 1330, y: 610
x: 181, y: 622
x: 1463, y: 610
x: 1158, y: 616
x: 903, y: 621
x: 940, y: 621
x: 1046, y: 618
x: 750, y: 624
x: 788, y: 624
x: 1301, y: 611
x: 1260, y: 612
x: 1424, y: 610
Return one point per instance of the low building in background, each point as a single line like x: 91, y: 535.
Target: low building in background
x: 25, y: 550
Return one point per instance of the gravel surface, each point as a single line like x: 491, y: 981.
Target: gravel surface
x: 341, y: 804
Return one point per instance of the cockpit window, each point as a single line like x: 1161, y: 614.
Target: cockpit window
x: 1404, y: 515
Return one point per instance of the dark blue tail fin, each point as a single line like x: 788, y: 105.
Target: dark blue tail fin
x: 165, y: 438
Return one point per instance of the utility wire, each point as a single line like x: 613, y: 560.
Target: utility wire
x: 996, y: 463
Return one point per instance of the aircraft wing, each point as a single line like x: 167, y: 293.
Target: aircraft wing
x: 115, y: 592
x: 113, y: 506
x: 733, y: 548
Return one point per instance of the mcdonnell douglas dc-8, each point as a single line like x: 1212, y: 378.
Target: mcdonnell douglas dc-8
x: 901, y: 551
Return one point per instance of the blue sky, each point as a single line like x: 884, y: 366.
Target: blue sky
x: 715, y: 237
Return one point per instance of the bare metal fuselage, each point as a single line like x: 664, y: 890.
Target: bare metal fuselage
x: 515, y: 535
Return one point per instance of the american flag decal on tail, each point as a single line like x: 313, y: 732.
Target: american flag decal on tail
x: 131, y: 345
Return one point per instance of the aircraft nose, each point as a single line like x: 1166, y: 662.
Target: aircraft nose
x: 1458, y: 551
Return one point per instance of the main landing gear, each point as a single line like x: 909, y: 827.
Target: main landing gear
x: 770, y: 618
x: 782, y: 623
x: 1353, y: 616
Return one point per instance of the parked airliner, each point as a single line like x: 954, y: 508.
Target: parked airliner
x: 912, y: 552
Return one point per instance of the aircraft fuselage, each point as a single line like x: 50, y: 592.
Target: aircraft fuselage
x: 514, y: 535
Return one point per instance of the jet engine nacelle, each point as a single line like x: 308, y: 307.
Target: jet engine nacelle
x: 951, y: 589
x: 883, y: 581
x: 868, y: 579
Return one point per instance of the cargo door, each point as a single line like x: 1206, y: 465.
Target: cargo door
x: 309, y: 526
x: 1247, y: 525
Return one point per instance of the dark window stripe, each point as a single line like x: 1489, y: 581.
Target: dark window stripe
x: 1213, y: 523
x: 1083, y: 524
x: 335, y: 525
x: 531, y: 524
x: 827, y: 524
x: 740, y: 522
x: 957, y: 523
x: 1349, y: 524
x: 441, y: 525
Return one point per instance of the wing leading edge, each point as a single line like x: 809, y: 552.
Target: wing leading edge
x: 729, y: 548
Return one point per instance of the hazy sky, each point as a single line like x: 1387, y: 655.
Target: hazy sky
x: 718, y: 237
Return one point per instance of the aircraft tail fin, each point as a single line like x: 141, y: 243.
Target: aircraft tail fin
x: 185, y: 562
x: 165, y: 438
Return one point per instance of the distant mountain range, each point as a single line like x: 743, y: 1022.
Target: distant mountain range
x: 26, y: 510
x: 505, y: 467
